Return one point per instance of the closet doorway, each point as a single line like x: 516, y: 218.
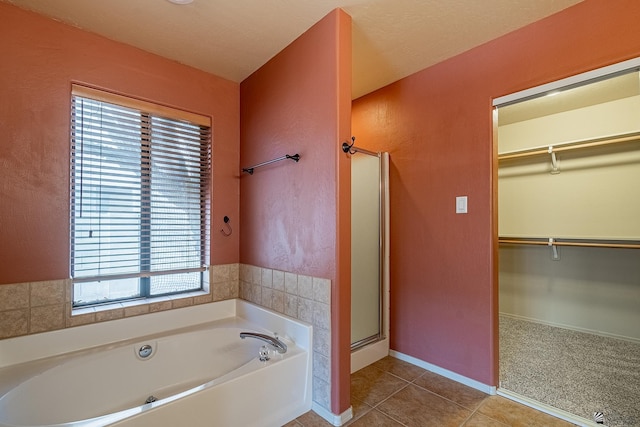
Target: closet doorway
x: 569, y: 246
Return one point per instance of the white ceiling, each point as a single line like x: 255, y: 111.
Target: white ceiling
x: 233, y: 38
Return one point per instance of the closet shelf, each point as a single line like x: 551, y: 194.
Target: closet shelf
x: 587, y: 243
x: 589, y: 143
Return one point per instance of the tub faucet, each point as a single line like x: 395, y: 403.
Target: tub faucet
x: 279, y: 345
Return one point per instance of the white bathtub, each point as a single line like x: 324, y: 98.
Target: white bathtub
x: 200, y: 371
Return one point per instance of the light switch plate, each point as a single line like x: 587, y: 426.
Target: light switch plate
x: 461, y: 204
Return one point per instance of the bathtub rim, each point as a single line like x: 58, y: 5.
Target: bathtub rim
x: 235, y: 375
x: 53, y: 345
x: 45, y: 345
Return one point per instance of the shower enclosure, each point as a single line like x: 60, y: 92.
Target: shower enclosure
x: 369, y: 257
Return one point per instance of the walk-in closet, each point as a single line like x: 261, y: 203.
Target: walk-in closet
x: 569, y: 246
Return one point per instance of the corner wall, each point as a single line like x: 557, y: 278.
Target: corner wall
x: 437, y: 126
x: 292, y: 214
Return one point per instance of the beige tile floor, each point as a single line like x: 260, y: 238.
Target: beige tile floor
x: 395, y: 393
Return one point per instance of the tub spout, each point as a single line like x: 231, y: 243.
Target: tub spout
x: 275, y: 342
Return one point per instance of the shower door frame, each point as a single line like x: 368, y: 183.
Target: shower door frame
x: 369, y: 350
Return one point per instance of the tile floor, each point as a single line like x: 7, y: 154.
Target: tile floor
x: 395, y: 393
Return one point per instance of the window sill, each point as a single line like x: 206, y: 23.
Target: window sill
x: 144, y: 306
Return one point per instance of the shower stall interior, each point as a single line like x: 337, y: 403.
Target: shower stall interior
x: 369, y: 256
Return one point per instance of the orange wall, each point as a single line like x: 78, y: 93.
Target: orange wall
x: 437, y: 126
x: 299, y: 102
x: 40, y: 59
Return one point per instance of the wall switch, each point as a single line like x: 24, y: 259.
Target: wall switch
x: 461, y: 204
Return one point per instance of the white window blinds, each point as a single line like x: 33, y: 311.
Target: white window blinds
x: 139, y: 198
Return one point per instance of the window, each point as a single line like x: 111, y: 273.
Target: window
x: 140, y: 178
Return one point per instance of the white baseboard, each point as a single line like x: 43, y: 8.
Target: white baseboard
x: 445, y: 373
x: 333, y: 419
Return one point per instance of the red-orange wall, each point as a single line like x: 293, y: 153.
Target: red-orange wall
x: 39, y: 60
x: 437, y: 125
x: 293, y: 215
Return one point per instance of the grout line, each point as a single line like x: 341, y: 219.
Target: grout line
x: 446, y: 398
x: 467, y: 419
x: 390, y: 396
x: 476, y: 411
x: 392, y: 418
x: 473, y: 411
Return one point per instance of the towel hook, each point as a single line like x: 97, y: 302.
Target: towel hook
x: 226, y: 221
x: 347, y: 148
x: 352, y: 149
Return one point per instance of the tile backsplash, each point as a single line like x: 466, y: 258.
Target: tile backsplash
x: 29, y: 308
x: 33, y: 307
x: 304, y: 298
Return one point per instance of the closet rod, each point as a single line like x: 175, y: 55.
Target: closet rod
x: 573, y: 146
x: 561, y: 243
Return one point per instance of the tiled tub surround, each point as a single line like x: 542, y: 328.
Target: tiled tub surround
x: 34, y: 307
x: 304, y: 298
x: 30, y: 308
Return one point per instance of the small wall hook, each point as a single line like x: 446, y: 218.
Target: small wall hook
x: 347, y: 148
x: 226, y: 221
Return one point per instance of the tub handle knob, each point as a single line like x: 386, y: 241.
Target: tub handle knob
x: 145, y: 351
x: 263, y: 353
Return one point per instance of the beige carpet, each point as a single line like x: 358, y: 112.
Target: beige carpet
x: 577, y: 372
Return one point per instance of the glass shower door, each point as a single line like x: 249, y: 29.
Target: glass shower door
x: 366, y: 249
